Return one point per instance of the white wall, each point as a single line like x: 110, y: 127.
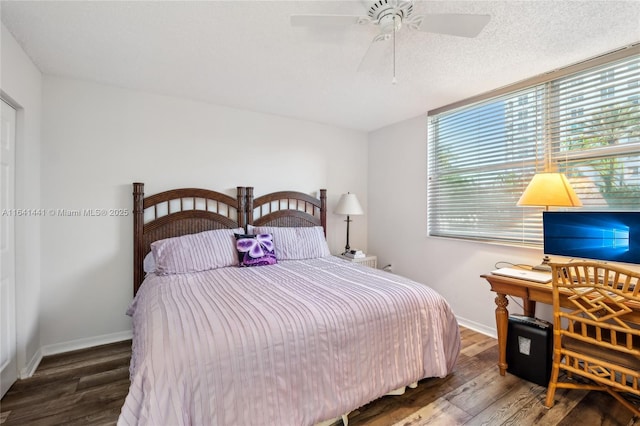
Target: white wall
x: 397, y: 220
x: 21, y: 85
x: 98, y: 139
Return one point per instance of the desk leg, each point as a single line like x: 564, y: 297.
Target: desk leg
x: 529, y: 307
x: 502, y: 318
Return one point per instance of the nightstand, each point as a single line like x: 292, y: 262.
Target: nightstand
x: 371, y: 261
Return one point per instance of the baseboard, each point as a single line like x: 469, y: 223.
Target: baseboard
x: 28, y: 371
x: 72, y: 345
x: 476, y: 326
x: 88, y: 342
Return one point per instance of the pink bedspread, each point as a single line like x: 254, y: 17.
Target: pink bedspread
x: 288, y: 344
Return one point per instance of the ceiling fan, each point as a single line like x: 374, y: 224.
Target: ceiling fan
x: 391, y: 15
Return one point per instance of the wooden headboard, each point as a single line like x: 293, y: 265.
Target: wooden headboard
x: 191, y: 210
x: 179, y: 212
x: 287, y: 208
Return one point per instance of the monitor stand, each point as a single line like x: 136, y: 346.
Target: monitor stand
x: 544, y: 266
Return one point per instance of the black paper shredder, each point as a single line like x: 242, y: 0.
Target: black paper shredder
x: 530, y: 349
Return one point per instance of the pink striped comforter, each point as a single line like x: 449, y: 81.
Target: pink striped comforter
x: 288, y: 344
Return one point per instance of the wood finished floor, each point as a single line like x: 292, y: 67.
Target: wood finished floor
x: 88, y: 387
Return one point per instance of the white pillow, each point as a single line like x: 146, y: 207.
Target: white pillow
x: 296, y: 243
x: 196, y: 252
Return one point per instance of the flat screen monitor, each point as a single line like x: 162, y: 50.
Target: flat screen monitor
x: 610, y: 236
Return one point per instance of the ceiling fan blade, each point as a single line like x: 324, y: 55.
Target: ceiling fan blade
x: 461, y: 25
x: 324, y: 20
x: 377, y: 51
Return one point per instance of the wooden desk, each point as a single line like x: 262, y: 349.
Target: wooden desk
x: 530, y: 292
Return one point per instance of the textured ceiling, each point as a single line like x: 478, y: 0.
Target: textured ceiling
x: 245, y: 54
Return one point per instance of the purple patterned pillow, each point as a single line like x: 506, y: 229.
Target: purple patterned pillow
x: 255, y: 250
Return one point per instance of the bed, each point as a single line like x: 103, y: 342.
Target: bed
x: 303, y: 338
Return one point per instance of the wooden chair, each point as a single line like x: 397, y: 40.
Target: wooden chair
x: 595, y: 338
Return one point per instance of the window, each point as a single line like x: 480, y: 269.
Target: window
x: 583, y: 121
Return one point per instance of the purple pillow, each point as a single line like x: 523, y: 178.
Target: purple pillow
x: 255, y: 250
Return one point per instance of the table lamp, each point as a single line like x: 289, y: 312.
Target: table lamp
x: 350, y: 206
x: 549, y: 189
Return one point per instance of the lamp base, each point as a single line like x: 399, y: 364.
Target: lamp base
x: 346, y: 247
x: 544, y: 266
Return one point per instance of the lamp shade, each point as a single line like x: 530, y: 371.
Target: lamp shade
x: 348, y: 205
x: 549, y: 189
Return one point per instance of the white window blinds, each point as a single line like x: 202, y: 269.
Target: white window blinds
x: 481, y: 156
x: 594, y: 133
